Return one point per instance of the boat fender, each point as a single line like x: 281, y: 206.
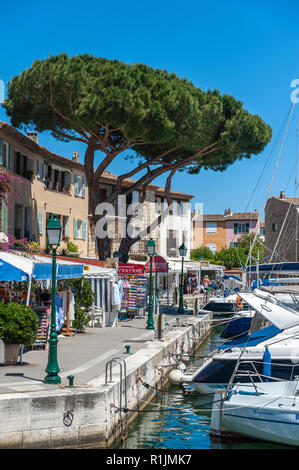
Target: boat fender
x: 175, y: 377
x: 267, y: 363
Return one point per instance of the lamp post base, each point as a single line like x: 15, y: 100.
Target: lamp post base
x: 52, y: 379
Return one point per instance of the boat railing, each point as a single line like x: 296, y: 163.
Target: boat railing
x: 251, y: 374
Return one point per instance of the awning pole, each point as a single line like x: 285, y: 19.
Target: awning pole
x: 27, y: 304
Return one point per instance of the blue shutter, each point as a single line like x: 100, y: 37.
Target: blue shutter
x: 75, y: 228
x: 76, y: 185
x: 84, y: 230
x: 10, y: 157
x: 40, y: 222
x: 4, y: 217
x: 83, y: 187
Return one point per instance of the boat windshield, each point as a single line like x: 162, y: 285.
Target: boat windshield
x: 252, y: 339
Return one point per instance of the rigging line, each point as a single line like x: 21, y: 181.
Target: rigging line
x: 288, y: 117
x: 270, y: 154
x: 281, y: 147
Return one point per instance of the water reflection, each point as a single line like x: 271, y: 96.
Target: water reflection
x: 186, y: 424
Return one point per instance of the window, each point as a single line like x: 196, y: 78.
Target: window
x: 212, y: 247
x: 80, y: 229
x: 274, y: 228
x: 211, y: 227
x: 234, y: 244
x: 172, y: 243
x: 2, y: 152
x: 241, y: 228
x: 80, y: 186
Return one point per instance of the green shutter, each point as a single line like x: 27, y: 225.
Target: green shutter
x: 235, y: 228
x: 10, y: 157
x: 40, y: 222
x: 4, y: 217
x: 247, y: 228
x: 76, y: 185
x: 75, y: 228
x: 1, y: 152
x: 84, y: 230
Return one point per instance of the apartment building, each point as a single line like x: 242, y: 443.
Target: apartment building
x: 47, y: 184
x: 217, y: 231
x: 281, y: 228
x: 52, y: 184
x: 173, y: 230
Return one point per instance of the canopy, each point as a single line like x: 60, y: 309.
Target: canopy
x: 276, y: 268
x: 281, y: 317
x: 15, y: 267
x: 159, y: 265
x: 92, y: 272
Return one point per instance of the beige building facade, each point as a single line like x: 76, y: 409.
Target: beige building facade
x: 47, y: 184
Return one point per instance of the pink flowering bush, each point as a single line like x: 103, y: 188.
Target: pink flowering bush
x: 7, y: 186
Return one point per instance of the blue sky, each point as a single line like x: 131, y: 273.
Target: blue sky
x: 247, y: 49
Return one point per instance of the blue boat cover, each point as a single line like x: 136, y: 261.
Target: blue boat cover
x: 253, y: 339
x: 8, y: 272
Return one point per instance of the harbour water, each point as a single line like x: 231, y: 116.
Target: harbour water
x: 176, y: 420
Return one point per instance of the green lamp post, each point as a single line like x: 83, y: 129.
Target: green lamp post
x: 183, y: 252
x: 150, y: 318
x: 53, y: 233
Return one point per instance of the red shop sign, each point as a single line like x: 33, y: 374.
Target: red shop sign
x: 129, y: 268
x: 159, y: 265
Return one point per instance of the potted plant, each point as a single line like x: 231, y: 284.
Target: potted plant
x: 18, y: 325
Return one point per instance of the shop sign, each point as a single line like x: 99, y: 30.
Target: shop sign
x: 159, y: 265
x: 130, y: 269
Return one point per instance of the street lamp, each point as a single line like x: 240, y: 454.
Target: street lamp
x: 183, y: 252
x: 53, y: 233
x: 150, y: 251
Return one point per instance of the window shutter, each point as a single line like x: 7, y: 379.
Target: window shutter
x: 75, y: 228
x: 10, y: 157
x: 235, y: 228
x: 40, y: 222
x: 83, y: 187
x: 84, y: 230
x: 76, y: 185
x: 4, y: 217
x: 1, y: 152
x: 247, y: 228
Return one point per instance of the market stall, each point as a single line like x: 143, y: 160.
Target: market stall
x: 132, y: 284
x: 18, y: 274
x: 102, y: 281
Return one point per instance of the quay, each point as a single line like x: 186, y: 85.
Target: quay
x: 108, y: 375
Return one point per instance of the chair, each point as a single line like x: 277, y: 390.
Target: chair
x: 97, y: 317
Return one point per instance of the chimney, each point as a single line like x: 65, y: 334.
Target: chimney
x: 33, y: 136
x: 75, y: 157
x: 282, y: 195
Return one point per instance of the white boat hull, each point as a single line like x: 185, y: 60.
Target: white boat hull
x: 264, y: 417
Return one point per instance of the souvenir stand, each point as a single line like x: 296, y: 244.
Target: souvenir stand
x: 133, y: 289
x: 17, y: 274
